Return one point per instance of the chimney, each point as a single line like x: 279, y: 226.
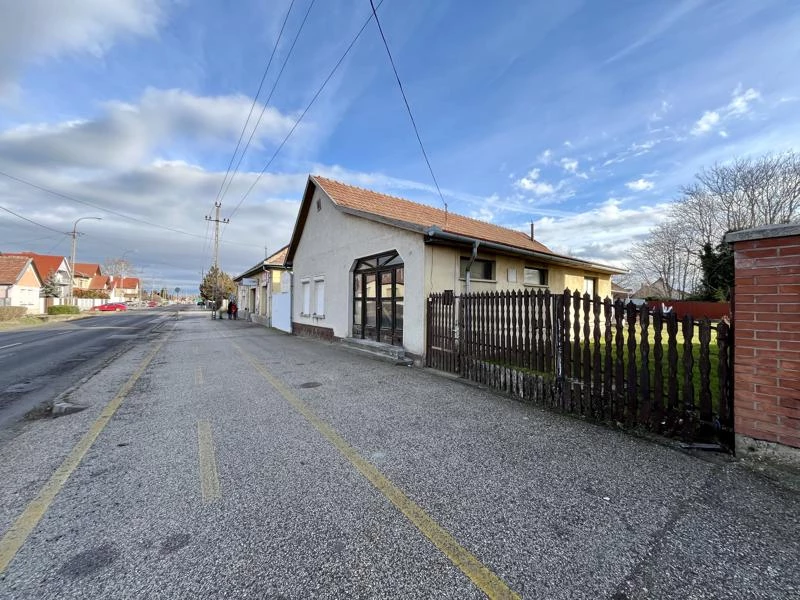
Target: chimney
x: 531, y: 230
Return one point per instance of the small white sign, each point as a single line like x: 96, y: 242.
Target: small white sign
x: 249, y: 281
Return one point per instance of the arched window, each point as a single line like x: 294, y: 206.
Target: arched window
x: 378, y: 292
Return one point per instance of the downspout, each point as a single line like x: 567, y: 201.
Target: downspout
x: 472, y: 258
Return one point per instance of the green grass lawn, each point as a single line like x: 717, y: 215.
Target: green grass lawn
x: 667, y: 376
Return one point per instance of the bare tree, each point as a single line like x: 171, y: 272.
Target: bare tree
x: 750, y: 192
x: 117, y: 267
x: 667, y: 254
x: 747, y: 192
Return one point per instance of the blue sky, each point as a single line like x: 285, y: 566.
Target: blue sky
x: 584, y: 117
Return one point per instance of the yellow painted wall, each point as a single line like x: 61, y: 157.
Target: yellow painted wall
x: 443, y: 265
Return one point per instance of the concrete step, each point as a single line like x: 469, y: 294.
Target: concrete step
x: 394, y: 354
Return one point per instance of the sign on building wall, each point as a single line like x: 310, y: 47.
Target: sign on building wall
x: 249, y: 282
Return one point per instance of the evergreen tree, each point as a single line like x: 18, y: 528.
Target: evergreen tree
x: 51, y: 289
x: 717, y: 266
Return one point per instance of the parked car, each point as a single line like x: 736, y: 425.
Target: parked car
x: 152, y: 304
x: 111, y: 306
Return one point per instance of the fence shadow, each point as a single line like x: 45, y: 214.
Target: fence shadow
x: 603, y: 360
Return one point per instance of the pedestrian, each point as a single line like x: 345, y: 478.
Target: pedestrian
x: 235, y: 311
x: 230, y: 310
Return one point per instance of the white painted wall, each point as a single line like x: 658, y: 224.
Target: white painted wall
x: 28, y: 298
x: 330, y: 245
x: 282, y: 311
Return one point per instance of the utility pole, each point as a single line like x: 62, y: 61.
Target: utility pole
x: 216, y: 220
x: 75, y: 234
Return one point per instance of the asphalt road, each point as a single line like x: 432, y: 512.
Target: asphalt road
x: 219, y: 459
x: 39, y: 364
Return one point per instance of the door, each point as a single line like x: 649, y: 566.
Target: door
x: 378, y: 298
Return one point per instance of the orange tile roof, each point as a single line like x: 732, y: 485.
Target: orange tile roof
x: 279, y: 257
x: 87, y: 269
x: 126, y: 283
x: 98, y: 282
x: 11, y: 267
x: 399, y: 209
x: 46, y: 264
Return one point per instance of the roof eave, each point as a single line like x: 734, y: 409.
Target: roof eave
x: 434, y: 234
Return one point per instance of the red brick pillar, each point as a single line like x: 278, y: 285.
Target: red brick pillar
x: 766, y: 320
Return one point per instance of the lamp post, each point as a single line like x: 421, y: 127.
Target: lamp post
x: 72, y: 258
x: 122, y: 270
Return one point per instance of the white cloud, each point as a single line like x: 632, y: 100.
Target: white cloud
x: 546, y: 157
x: 531, y: 183
x: 676, y: 12
x: 126, y: 135
x: 706, y: 123
x: 640, y: 185
x: 741, y: 101
x: 570, y: 165
x: 740, y: 104
x: 604, y: 233
x: 34, y: 30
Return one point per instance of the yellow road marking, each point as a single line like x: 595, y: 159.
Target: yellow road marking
x: 18, y: 534
x: 198, y: 376
x: 209, y: 480
x: 489, y: 583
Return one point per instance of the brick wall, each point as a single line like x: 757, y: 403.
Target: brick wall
x: 766, y: 319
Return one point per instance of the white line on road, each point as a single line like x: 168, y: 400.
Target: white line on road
x: 10, y: 345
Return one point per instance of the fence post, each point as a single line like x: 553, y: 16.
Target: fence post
x: 725, y: 374
x: 644, y: 371
x: 658, y: 370
x: 704, y: 336
x: 566, y: 351
x: 632, y: 391
x: 688, y: 382
x: 588, y: 401
x: 619, y: 367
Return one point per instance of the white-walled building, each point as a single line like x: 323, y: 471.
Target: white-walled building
x: 264, y: 292
x: 365, y: 263
x: 20, y: 284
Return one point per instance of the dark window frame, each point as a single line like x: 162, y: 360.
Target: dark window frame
x: 544, y: 272
x: 479, y: 273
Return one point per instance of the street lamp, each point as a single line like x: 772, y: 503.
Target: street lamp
x: 72, y: 258
x: 122, y: 265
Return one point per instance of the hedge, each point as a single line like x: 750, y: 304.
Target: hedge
x: 63, y: 309
x: 9, y: 313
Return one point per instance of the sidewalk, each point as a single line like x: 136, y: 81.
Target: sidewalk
x: 244, y: 462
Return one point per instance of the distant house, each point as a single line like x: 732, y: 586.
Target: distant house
x: 123, y: 289
x: 84, y: 273
x: 53, y: 267
x: 99, y: 283
x: 364, y: 264
x: 659, y: 289
x: 619, y: 292
x: 264, y: 292
x: 20, y: 283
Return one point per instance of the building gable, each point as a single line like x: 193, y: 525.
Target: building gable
x: 18, y: 270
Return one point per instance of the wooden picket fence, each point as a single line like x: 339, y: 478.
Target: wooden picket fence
x: 593, y: 357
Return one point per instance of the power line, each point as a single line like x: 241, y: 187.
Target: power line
x: 303, y: 114
x: 269, y: 97
x: 108, y: 210
x: 30, y: 220
x: 39, y: 239
x: 408, y: 107
x: 255, y: 100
